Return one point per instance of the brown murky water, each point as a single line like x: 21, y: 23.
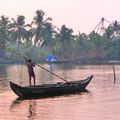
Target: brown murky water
x: 102, y: 102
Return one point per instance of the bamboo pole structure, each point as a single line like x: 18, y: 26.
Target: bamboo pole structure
x: 114, y: 74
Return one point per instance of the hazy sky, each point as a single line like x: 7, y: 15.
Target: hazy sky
x: 80, y: 15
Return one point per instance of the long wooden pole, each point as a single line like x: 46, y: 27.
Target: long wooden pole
x: 51, y: 72
x: 114, y: 74
x: 40, y: 66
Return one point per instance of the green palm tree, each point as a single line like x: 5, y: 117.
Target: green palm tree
x: 113, y: 30
x: 4, y: 34
x: 4, y: 31
x: 39, y: 23
x: 98, y: 44
x: 65, y: 36
x: 48, y: 34
x: 19, y: 34
x: 83, y: 43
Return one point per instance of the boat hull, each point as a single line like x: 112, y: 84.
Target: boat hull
x: 48, y: 90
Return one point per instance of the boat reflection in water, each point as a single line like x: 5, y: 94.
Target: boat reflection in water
x: 14, y: 104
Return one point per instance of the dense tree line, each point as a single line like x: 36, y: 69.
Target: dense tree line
x: 41, y: 38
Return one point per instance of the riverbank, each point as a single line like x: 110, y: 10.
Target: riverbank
x: 61, y: 62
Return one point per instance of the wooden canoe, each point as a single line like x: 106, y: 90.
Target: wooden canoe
x: 50, y: 89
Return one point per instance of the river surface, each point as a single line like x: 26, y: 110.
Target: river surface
x: 102, y: 102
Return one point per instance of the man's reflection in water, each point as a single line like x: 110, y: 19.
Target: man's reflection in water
x: 32, y: 109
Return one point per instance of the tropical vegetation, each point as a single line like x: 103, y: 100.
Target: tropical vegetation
x: 41, y: 38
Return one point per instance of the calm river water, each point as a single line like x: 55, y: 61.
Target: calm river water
x: 102, y: 102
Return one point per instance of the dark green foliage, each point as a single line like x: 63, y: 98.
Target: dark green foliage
x: 41, y: 38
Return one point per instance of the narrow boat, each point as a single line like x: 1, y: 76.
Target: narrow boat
x: 47, y: 90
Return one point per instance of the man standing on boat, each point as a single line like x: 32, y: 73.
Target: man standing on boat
x: 31, y: 73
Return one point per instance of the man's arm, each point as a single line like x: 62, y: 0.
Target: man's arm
x: 33, y: 64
